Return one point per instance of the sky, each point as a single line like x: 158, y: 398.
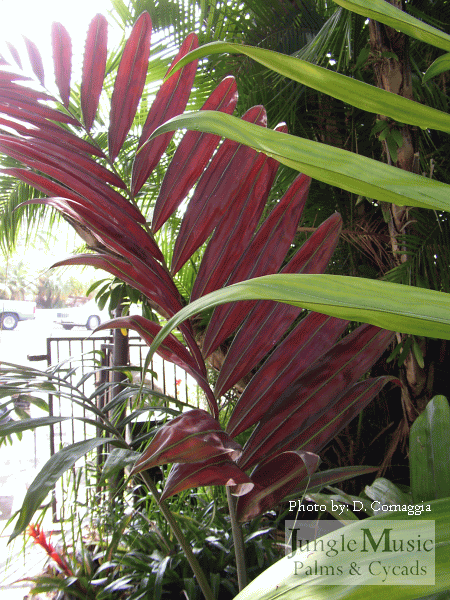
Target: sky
x: 33, y: 18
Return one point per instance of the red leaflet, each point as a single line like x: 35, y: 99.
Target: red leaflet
x: 119, y: 232
x: 263, y: 256
x: 171, y: 350
x: 59, y: 138
x: 142, y: 272
x: 141, y: 276
x: 94, y: 65
x: 129, y: 83
x: 192, y: 156
x: 47, y: 186
x: 191, y: 438
x: 274, y: 480
x: 62, y: 59
x: 89, y: 170
x: 216, y: 190
x: 269, y: 321
x: 236, y: 228
x: 330, y: 477
x: 80, y: 181
x: 14, y: 54
x: 6, y: 78
x: 313, y: 336
x: 337, y: 415
x: 30, y: 111
x: 219, y: 470
x: 305, y: 400
x: 35, y: 59
x: 170, y: 101
x: 12, y: 91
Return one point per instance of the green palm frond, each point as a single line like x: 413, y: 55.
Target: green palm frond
x: 426, y: 246
x: 14, y: 221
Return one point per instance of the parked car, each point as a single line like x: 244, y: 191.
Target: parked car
x: 89, y: 315
x: 13, y: 311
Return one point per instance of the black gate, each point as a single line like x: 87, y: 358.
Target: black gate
x: 73, y: 359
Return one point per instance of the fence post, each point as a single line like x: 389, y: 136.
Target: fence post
x: 120, y: 358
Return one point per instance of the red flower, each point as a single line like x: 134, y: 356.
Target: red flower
x: 35, y: 532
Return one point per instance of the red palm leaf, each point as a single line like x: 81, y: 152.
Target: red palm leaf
x: 170, y: 101
x: 35, y: 59
x: 263, y: 256
x: 129, y: 84
x: 192, y: 156
x: 94, y: 66
x: 62, y: 59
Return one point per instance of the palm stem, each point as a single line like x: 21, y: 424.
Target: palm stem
x: 198, y: 571
x: 238, y: 540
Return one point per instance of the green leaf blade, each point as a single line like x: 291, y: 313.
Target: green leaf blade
x: 358, y: 174
x: 58, y: 464
x: 388, y: 305
x: 430, y: 452
x: 386, y: 13
x: 351, y: 91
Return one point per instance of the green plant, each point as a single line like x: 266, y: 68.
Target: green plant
x: 316, y: 391
x: 429, y: 457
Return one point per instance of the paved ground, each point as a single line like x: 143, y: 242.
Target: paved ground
x: 20, y: 463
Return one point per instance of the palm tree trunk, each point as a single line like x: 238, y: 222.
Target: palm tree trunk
x: 393, y: 73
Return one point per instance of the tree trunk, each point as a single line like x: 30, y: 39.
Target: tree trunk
x: 390, y: 50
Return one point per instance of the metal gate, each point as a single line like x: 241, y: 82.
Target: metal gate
x: 83, y: 366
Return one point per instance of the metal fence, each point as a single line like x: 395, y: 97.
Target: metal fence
x: 83, y: 364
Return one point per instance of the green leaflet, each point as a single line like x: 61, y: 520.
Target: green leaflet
x: 382, y: 11
x: 429, y: 452
x: 117, y: 459
x: 358, y: 174
x: 25, y: 424
x: 440, y: 65
x: 389, y: 305
x: 44, y: 481
x: 351, y: 91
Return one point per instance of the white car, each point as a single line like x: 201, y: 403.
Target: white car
x: 13, y: 311
x: 89, y: 315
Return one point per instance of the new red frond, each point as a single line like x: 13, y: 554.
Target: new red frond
x: 216, y: 192
x: 170, y: 101
x: 129, y: 84
x: 62, y: 59
x: 219, y: 470
x: 192, y: 156
x: 263, y: 256
x: 14, y: 54
x: 269, y: 321
x: 94, y: 66
x: 347, y: 407
x: 237, y: 226
x: 170, y: 350
x: 313, y: 336
x: 312, y: 395
x: 35, y: 59
x: 274, y: 480
x: 191, y: 438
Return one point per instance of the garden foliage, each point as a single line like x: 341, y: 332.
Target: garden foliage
x: 299, y: 373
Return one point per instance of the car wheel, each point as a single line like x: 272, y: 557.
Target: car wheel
x: 93, y: 322
x: 9, y: 321
x: 68, y: 327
